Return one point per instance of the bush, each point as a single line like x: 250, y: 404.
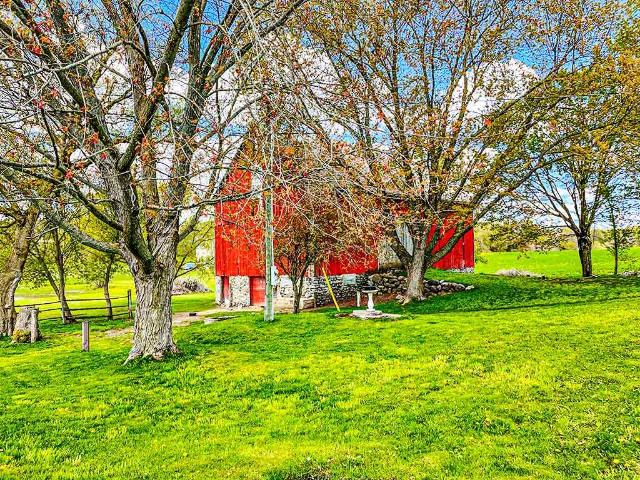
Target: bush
x: 21, y: 336
x: 189, y: 285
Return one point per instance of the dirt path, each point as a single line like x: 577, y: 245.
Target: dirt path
x: 183, y: 319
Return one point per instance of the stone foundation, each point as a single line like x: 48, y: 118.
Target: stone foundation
x: 315, y: 292
x: 239, y: 293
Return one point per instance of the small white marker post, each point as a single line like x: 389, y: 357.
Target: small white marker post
x: 85, y: 336
x: 34, y: 325
x: 358, y: 298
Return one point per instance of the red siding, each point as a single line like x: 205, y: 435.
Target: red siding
x: 462, y: 253
x: 240, y: 251
x: 350, y: 262
x: 237, y: 236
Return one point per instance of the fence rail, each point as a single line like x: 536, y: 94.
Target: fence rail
x: 85, y: 314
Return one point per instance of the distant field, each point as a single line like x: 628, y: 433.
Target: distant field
x: 563, y: 263
x: 77, y: 293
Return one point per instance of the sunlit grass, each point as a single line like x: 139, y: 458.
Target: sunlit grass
x: 519, y: 378
x: 564, y: 263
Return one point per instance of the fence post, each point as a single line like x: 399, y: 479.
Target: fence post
x: 358, y: 298
x: 34, y: 324
x: 129, y: 304
x: 85, y: 336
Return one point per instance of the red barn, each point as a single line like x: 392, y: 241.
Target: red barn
x: 239, y: 260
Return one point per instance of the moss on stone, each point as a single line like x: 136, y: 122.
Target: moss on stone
x: 21, y: 336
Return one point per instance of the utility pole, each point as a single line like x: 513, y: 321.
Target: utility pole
x: 268, y: 230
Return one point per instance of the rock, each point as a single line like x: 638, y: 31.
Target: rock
x: 630, y: 274
x: 27, y: 328
x: 189, y: 285
x: 514, y: 272
x: 209, y: 320
x: 469, y: 287
x: 376, y: 278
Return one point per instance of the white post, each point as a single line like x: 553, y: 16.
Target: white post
x: 85, y: 336
x: 268, y: 233
x: 34, y: 324
x: 358, y: 298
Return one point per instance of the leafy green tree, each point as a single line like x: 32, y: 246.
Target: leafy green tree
x: 522, y: 236
x: 588, y: 150
x: 53, y: 254
x: 620, y: 212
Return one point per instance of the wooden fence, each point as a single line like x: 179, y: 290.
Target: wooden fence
x: 121, y: 307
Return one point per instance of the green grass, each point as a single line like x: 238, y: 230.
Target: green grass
x: 519, y: 378
x: 563, y: 263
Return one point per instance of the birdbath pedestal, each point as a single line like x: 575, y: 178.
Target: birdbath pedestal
x: 370, y: 290
x: 370, y: 312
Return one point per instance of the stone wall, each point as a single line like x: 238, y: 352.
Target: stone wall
x: 394, y: 282
x: 315, y: 291
x: 462, y: 270
x: 239, y: 292
x: 340, y: 289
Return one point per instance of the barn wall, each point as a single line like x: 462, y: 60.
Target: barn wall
x: 238, y: 237
x: 239, y: 241
x: 353, y: 261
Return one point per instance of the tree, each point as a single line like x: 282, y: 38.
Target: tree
x: 587, y: 161
x: 435, y: 102
x: 188, y: 250
x: 312, y: 218
x: 96, y: 267
x: 619, y: 209
x: 129, y: 110
x: 522, y: 235
x: 52, y: 253
x: 17, y: 222
x: 314, y: 223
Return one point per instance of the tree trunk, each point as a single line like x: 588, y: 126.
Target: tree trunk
x: 616, y: 243
x: 584, y: 250
x: 152, y: 329
x: 12, y: 272
x: 297, y: 293
x: 153, y: 334
x: 62, y: 282
x: 105, y: 287
x: 416, y: 270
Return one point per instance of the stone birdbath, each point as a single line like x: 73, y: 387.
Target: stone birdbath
x: 371, y: 312
x: 370, y: 290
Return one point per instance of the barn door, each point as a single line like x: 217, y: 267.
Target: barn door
x: 257, y: 289
x: 226, y: 291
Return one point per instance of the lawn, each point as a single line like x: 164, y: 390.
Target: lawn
x: 519, y: 378
x: 563, y: 263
